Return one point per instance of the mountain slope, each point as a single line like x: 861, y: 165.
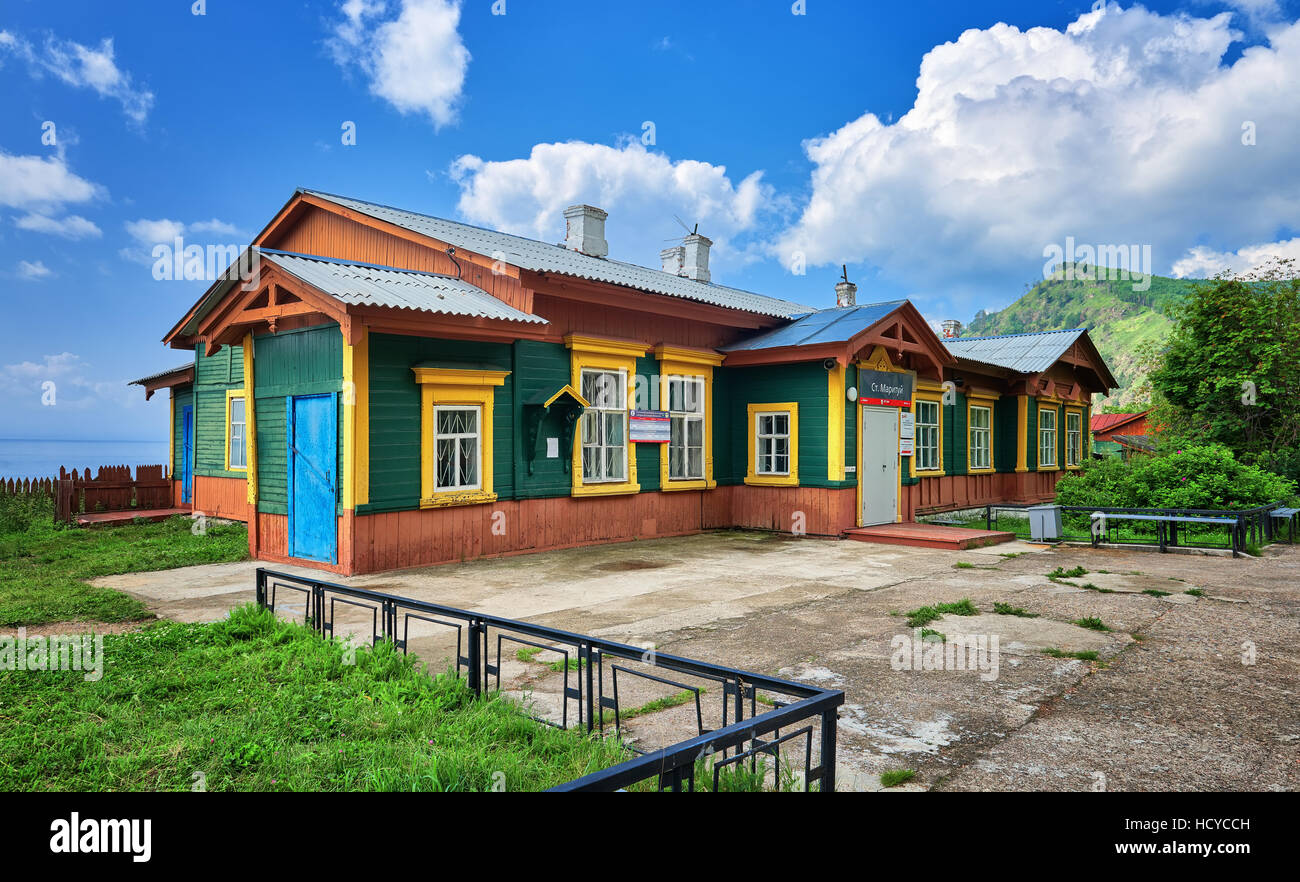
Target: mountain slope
x: 1120, y: 320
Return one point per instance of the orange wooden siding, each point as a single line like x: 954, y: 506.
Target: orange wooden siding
x: 220, y: 497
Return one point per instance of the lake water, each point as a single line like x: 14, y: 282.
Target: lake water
x: 38, y: 459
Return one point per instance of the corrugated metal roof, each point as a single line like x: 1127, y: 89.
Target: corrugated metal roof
x: 158, y: 376
x: 365, y: 284
x: 543, y: 257
x: 836, y: 325
x: 1100, y: 422
x: 1025, y: 353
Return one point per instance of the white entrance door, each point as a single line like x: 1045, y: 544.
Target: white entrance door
x: 878, y: 465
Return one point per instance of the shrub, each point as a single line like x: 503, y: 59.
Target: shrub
x: 1200, y: 476
x: 19, y: 513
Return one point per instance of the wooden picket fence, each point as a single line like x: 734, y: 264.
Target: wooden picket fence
x: 112, y: 489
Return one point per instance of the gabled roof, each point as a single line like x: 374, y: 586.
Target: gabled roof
x: 838, y: 325
x: 370, y: 285
x: 1023, y: 353
x: 542, y: 257
x: 1104, y: 422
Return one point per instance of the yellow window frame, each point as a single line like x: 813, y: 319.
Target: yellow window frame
x: 1049, y: 405
x: 932, y: 393
x: 596, y: 353
x: 452, y: 387
x: 751, y: 473
x: 232, y: 394
x: 689, y: 364
x: 973, y: 401
x: 1079, y: 412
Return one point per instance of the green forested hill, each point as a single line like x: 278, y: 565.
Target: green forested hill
x: 1119, y: 319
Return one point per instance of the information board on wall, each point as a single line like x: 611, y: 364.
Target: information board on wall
x: 887, y: 388
x: 649, y: 427
x: 906, y: 433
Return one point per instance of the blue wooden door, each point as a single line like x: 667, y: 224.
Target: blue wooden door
x: 312, y: 459
x: 187, y: 452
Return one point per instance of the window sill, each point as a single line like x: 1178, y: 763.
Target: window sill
x: 452, y: 497
x: 772, y: 480
x: 987, y: 471
x: 605, y: 489
x: 1048, y: 468
x: 695, y: 484
x: 929, y: 473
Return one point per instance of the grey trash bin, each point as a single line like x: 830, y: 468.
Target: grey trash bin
x: 1044, y: 522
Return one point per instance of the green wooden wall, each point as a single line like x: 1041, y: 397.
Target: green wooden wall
x: 395, y: 415
x: 736, y: 388
x: 300, y: 362
x: 213, y: 377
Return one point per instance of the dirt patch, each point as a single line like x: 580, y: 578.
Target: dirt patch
x: 50, y: 629
x: 623, y: 566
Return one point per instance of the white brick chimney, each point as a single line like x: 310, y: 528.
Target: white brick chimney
x: 695, y: 257
x: 951, y: 328
x: 584, y: 230
x: 673, y: 259
x: 846, y: 294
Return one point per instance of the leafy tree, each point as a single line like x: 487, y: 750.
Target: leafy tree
x: 1230, y: 372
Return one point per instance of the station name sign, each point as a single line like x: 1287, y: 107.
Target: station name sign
x: 886, y: 388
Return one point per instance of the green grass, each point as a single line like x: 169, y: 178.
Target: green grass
x: 1195, y: 592
x: 927, y: 633
x: 1088, y: 586
x: 254, y: 703
x: 1060, y: 573
x: 1155, y: 592
x: 1092, y: 623
x: 1006, y: 609
x: 1082, y: 655
x: 895, y: 777
x: 925, y: 615
x: 963, y: 565
x: 43, y: 568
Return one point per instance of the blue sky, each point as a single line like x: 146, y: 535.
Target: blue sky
x: 937, y: 148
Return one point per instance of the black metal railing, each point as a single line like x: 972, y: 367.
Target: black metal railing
x: 1228, y: 529
x: 798, y: 724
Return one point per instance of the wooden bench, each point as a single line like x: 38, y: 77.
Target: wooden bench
x: 1287, y: 514
x: 1167, y: 526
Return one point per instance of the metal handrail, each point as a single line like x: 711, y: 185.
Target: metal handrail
x: 674, y: 765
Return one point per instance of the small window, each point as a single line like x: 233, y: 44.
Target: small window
x: 979, y: 436
x: 457, y: 444
x: 686, y: 429
x: 772, y: 443
x: 1073, y: 437
x: 236, y: 441
x: 604, y: 427
x: 927, y: 435
x: 1046, y: 438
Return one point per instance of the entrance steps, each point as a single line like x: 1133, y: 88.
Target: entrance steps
x: 929, y: 536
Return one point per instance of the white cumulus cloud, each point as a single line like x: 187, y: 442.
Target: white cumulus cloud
x: 1124, y: 128
x: 146, y: 233
x: 642, y: 191
x: 415, y: 60
x: 42, y: 183
x: 73, y: 226
x: 83, y: 67
x: 33, y: 270
x: 1202, y: 262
